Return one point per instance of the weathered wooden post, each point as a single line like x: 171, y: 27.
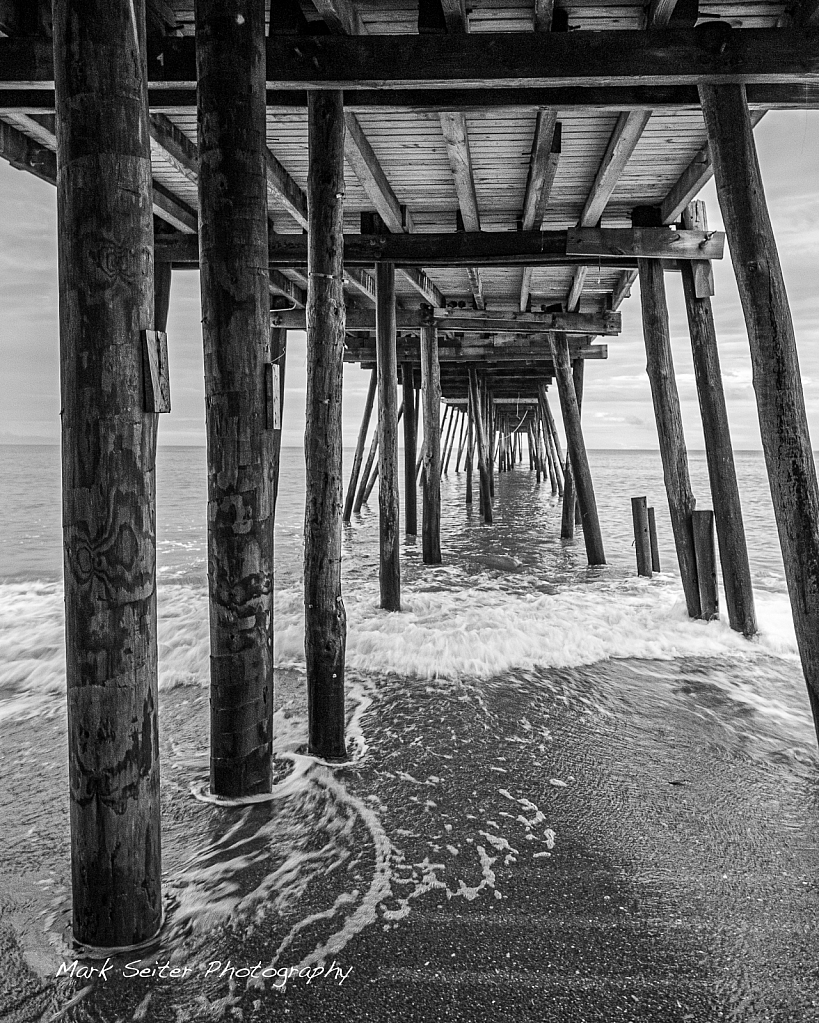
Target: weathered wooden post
x: 552, y: 440
x: 325, y: 619
x: 486, y: 500
x: 655, y: 546
x: 108, y: 452
x: 571, y: 509
x: 230, y: 57
x: 660, y: 369
x: 365, y: 475
x: 642, y: 535
x: 388, y: 500
x: 470, y: 444
x: 431, y: 394
x: 278, y: 357
x: 359, y: 448
x: 703, y: 525
x: 410, y: 437
x: 574, y: 439
x: 777, y: 383
x: 736, y: 570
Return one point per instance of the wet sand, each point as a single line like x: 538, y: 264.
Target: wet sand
x: 624, y: 841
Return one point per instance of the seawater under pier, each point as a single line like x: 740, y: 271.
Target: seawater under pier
x: 458, y: 201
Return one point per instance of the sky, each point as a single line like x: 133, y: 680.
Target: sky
x: 617, y: 410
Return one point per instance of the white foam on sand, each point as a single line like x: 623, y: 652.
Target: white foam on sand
x: 473, y: 627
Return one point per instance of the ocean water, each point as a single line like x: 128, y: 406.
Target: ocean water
x: 529, y: 736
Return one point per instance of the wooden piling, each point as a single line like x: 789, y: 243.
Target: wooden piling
x: 552, y: 439
x: 642, y: 536
x: 655, y: 547
x: 230, y: 53
x: 470, y: 445
x: 108, y: 466
x: 574, y: 440
x: 703, y: 527
x: 660, y: 369
x: 366, y: 475
x: 431, y: 395
x: 480, y: 436
x: 278, y: 357
x: 571, y: 509
x: 736, y: 570
x: 388, y: 500
x: 359, y: 448
x: 777, y: 383
x: 325, y: 633
x: 410, y: 439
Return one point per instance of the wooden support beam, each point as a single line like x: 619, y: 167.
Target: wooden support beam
x: 283, y: 188
x: 108, y: 471
x: 627, y: 133
x: 364, y: 162
x: 546, y: 148
x: 431, y: 398
x: 481, y: 441
x: 696, y: 175
x: 470, y: 446
x: 620, y: 247
x: 325, y: 634
x: 455, y: 16
x: 410, y: 429
x: 571, y: 515
x: 470, y: 321
x: 359, y: 448
x: 622, y: 289
x: 542, y: 15
x: 456, y: 137
x: 660, y: 367
x: 388, y: 500
x: 736, y: 570
x: 278, y: 357
x: 236, y: 335
x: 423, y: 285
x: 580, y: 462
x: 340, y: 16
x: 175, y: 146
x: 25, y: 154
x: 777, y: 381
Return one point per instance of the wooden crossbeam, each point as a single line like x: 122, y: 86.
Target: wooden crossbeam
x: 281, y: 285
x: 695, y: 176
x: 619, y: 247
x: 361, y: 157
x: 546, y: 147
x: 409, y: 351
x: 455, y: 16
x: 340, y: 16
x: 456, y: 137
x: 471, y: 320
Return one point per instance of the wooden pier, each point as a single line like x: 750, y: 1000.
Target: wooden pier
x: 458, y: 201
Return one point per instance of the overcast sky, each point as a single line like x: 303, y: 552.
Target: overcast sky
x: 617, y: 408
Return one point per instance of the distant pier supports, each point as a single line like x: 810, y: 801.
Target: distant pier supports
x: 325, y: 620
x: 431, y: 397
x: 736, y: 571
x: 230, y: 55
x: 777, y: 383
x: 480, y: 436
x: 359, y: 448
x: 660, y: 368
x: 388, y: 501
x: 410, y: 437
x: 577, y: 448
x: 108, y: 450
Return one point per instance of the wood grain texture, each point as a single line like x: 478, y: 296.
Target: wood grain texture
x: 703, y: 526
x: 660, y: 368
x: 431, y: 401
x: 108, y: 462
x: 388, y: 499
x: 236, y: 336
x: 777, y: 381
x: 642, y: 536
x: 481, y: 443
x: 325, y: 634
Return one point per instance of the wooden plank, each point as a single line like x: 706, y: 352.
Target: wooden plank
x: 623, y: 141
x: 108, y: 473
x: 647, y: 242
x: 456, y: 137
x: 236, y: 337
x: 325, y: 626
x: 696, y: 175
x: 468, y: 320
x: 362, y: 159
x: 606, y: 247
x: 155, y: 380
x: 777, y: 380
x: 340, y: 16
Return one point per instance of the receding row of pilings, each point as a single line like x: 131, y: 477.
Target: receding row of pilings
x: 107, y: 310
